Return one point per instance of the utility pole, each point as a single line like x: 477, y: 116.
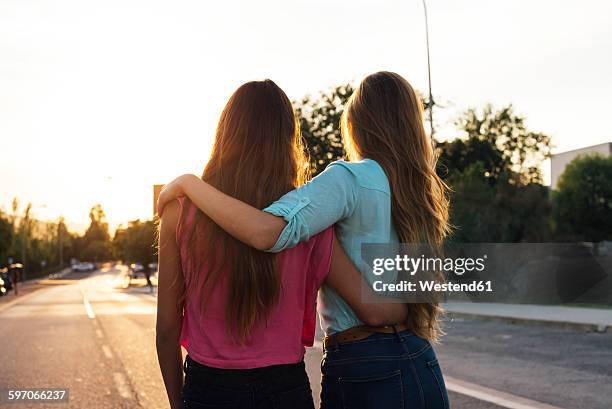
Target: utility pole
x: 60, y: 233
x: 430, y: 104
x: 23, y: 250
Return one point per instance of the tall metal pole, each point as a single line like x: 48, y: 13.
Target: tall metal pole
x: 23, y: 251
x: 430, y: 103
x: 60, y: 238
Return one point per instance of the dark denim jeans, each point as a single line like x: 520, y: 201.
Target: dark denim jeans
x: 271, y: 387
x: 390, y: 371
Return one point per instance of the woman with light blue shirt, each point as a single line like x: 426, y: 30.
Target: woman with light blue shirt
x: 388, y: 193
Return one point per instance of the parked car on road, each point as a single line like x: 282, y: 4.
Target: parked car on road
x: 154, y: 267
x: 10, y: 276
x: 4, y: 281
x: 136, y: 269
x: 83, y: 267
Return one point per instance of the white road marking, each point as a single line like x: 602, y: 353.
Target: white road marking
x: 88, y: 309
x: 107, y: 352
x: 496, y: 397
x: 121, y: 384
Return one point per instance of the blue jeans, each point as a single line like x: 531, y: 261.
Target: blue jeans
x: 270, y: 387
x: 390, y: 371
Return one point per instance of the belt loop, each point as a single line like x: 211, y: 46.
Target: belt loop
x: 397, y: 334
x: 336, y: 344
x: 330, y: 343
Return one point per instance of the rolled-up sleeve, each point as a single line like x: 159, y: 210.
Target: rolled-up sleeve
x: 311, y: 208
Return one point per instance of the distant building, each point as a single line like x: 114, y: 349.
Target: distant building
x: 559, y: 161
x: 156, y: 190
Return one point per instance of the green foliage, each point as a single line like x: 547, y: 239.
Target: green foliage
x: 95, y: 244
x: 319, y: 118
x: 523, y: 211
x: 6, y: 237
x: 136, y: 243
x: 500, y: 141
x: 502, y: 213
x: 582, y: 203
x: 471, y: 212
x: 98, y: 227
x: 493, y: 171
x: 96, y: 250
x: 32, y: 242
x: 457, y: 156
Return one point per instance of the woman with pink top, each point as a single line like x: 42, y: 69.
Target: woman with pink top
x: 244, y: 315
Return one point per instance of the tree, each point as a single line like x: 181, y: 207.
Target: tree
x: 582, y: 202
x: 119, y: 244
x: 98, y: 227
x: 493, y: 168
x: 33, y: 242
x: 136, y: 243
x: 471, y: 212
x: 319, y: 118
x: 494, y: 173
x: 499, y: 140
x: 523, y: 211
x: 24, y: 233
x: 6, y: 238
x: 64, y: 241
x: 96, y: 244
x: 97, y: 250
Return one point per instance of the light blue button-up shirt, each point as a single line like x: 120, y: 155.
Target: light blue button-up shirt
x: 356, y: 197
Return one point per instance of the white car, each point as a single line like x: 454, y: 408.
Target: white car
x: 83, y: 267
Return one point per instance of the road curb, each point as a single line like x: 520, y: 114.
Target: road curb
x: 573, y: 326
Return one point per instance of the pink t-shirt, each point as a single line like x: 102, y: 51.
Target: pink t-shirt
x: 290, y: 325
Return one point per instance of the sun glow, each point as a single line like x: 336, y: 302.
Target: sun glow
x: 101, y: 101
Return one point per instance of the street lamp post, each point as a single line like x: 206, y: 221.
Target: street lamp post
x: 60, y: 241
x: 430, y: 103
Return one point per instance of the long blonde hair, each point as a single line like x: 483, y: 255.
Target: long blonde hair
x: 383, y: 121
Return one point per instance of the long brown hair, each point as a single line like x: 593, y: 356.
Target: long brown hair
x: 257, y: 157
x: 383, y: 121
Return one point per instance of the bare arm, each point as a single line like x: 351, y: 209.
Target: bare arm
x: 170, y: 307
x: 347, y: 281
x: 248, y: 224
x: 293, y: 218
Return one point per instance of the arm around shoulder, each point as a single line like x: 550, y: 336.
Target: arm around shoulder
x: 248, y: 224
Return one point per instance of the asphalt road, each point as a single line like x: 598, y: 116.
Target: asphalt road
x: 90, y: 334
x: 106, y: 357
x: 565, y: 368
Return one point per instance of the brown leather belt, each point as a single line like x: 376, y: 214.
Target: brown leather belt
x: 360, y: 332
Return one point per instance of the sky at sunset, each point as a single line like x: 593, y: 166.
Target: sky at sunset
x: 101, y: 100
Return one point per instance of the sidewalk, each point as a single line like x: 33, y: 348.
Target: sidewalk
x: 27, y: 287
x: 589, y: 319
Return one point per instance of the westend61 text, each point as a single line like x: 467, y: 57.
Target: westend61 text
x: 433, y: 286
